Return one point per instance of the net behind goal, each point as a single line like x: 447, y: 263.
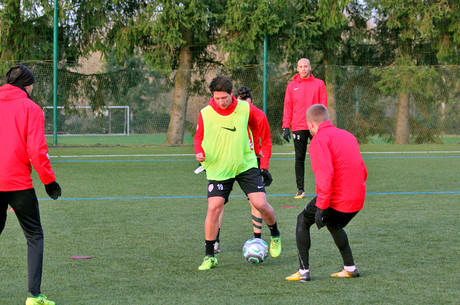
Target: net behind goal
x: 82, y: 120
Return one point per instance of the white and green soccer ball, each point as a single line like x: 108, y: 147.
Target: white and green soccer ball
x: 255, y: 250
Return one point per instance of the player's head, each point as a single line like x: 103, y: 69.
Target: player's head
x: 20, y: 76
x: 221, y: 83
x: 304, y: 67
x: 221, y: 88
x: 244, y: 93
x: 316, y: 114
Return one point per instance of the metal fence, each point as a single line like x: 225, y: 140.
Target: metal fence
x: 365, y: 97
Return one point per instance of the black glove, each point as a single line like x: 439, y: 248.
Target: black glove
x: 319, y: 218
x: 266, y: 176
x: 286, y: 134
x: 53, y: 190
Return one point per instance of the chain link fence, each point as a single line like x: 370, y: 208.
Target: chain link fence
x: 366, y: 98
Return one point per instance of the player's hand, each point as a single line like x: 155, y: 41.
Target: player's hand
x: 286, y: 134
x: 199, y: 157
x: 260, y: 155
x: 53, y: 190
x: 266, y: 176
x: 319, y: 218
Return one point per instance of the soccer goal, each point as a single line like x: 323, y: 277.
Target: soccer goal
x: 83, y: 120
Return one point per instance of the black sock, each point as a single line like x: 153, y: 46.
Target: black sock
x: 257, y: 235
x: 210, y: 247
x: 274, y: 229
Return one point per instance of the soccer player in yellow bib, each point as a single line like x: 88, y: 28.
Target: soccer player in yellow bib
x: 245, y: 94
x: 224, y: 145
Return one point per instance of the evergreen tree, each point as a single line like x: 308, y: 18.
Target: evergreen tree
x: 415, y: 34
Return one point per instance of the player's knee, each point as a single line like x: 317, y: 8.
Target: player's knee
x: 214, y: 211
x: 333, y: 227
x: 34, y: 237
x: 265, y: 208
x: 300, y: 218
x: 304, y: 222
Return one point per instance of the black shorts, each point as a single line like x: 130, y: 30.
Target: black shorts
x: 331, y: 217
x: 250, y: 181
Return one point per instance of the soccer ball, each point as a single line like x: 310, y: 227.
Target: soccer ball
x: 255, y: 250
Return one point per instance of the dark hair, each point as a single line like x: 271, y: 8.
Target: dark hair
x: 221, y: 83
x: 244, y: 93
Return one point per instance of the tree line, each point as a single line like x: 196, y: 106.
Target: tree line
x: 190, y: 35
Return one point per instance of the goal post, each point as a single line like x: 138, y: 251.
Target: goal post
x: 84, y: 121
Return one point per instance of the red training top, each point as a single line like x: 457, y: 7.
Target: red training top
x: 22, y: 141
x: 340, y: 173
x: 301, y: 93
x: 253, y: 124
x: 264, y: 136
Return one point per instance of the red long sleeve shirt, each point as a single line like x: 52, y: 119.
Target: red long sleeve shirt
x: 265, y: 137
x: 22, y: 141
x: 340, y: 173
x: 253, y: 124
x: 301, y: 93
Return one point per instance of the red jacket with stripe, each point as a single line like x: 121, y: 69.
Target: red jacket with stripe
x: 22, y: 141
x: 340, y: 173
x: 301, y: 93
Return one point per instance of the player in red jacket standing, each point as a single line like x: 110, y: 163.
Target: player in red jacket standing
x: 302, y: 92
x: 340, y: 176
x: 23, y: 145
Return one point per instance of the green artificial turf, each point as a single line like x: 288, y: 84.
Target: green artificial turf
x: 139, y: 212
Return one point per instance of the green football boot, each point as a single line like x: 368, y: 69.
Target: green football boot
x: 275, y: 246
x: 208, y: 263
x: 39, y: 300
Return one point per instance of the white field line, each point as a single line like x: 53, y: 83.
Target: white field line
x: 129, y: 155
x: 289, y: 153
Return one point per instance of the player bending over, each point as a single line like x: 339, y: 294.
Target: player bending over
x: 340, y: 176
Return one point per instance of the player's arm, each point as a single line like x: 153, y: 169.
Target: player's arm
x: 321, y: 162
x: 287, y: 110
x: 36, y: 146
x: 323, y: 94
x: 38, y: 151
x: 198, y: 139
x: 364, y: 170
x: 266, y: 142
x: 253, y: 125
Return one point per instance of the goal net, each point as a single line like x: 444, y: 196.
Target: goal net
x: 82, y: 120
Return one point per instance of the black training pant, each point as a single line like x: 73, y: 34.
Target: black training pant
x: 335, y: 222
x: 25, y: 205
x: 301, y: 138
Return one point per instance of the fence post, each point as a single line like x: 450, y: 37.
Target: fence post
x: 55, y: 84
x: 356, y: 93
x: 265, y: 75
